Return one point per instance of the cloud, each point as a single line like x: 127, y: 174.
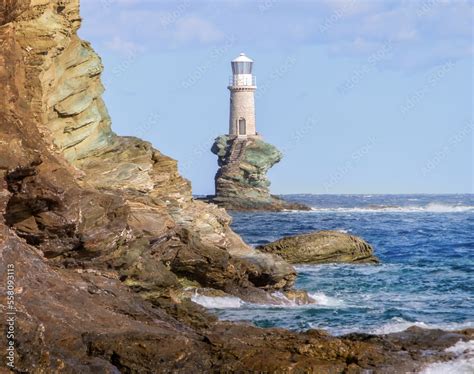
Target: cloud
x: 117, y: 44
x: 352, y: 7
x: 424, y: 32
x: 190, y: 29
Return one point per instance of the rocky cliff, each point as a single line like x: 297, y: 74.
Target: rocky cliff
x: 100, y: 239
x: 241, y: 181
x: 81, y: 194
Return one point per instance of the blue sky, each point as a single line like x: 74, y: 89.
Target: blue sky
x: 361, y: 96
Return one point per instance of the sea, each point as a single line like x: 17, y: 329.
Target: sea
x: 426, y: 276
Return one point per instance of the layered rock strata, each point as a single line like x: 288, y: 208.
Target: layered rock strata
x: 119, y: 202
x: 241, y: 183
x: 322, y: 247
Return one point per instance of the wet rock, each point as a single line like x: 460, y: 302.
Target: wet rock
x: 322, y: 247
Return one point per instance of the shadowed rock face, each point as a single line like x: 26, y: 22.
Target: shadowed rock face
x: 241, y: 181
x: 104, y: 235
x: 321, y: 247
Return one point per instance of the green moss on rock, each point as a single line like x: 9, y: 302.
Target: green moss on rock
x: 241, y: 181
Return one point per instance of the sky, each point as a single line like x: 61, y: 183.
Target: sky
x: 360, y: 96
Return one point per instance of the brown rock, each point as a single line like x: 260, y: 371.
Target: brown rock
x: 321, y: 247
x: 88, y: 198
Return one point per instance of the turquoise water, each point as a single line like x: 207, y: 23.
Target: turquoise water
x: 425, y: 244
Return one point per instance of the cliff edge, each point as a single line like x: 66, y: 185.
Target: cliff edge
x: 241, y: 183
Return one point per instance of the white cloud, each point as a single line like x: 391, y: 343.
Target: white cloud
x: 117, y: 44
x: 421, y: 30
x: 189, y: 29
x: 352, y: 7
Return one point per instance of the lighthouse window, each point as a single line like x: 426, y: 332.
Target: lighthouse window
x: 242, y: 67
x: 242, y: 126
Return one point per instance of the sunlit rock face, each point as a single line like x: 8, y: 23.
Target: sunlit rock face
x: 322, y: 247
x: 241, y: 181
x: 144, y: 195
x: 84, y: 196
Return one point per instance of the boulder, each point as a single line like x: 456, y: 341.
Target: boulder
x: 322, y: 247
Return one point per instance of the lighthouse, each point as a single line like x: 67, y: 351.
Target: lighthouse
x: 242, y: 101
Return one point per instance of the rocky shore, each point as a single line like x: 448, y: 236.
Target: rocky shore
x: 103, y: 240
x: 241, y: 182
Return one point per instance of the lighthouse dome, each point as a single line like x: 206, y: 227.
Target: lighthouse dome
x: 242, y: 65
x: 242, y: 58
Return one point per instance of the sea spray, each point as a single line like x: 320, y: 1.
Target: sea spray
x: 463, y: 362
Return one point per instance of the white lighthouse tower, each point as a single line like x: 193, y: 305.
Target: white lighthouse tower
x: 242, y: 102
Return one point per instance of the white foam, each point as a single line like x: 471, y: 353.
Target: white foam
x: 283, y: 299
x: 462, y: 364
x: 430, y: 208
x: 217, y: 302
x: 232, y: 302
x: 324, y: 300
x: 462, y: 347
x: 399, y: 324
x: 321, y: 300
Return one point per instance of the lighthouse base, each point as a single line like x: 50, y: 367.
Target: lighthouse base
x: 241, y: 183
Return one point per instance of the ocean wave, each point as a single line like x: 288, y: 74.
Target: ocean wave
x: 398, y: 324
x: 323, y: 300
x: 217, y: 302
x: 462, y: 364
x: 430, y: 208
x: 233, y: 302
